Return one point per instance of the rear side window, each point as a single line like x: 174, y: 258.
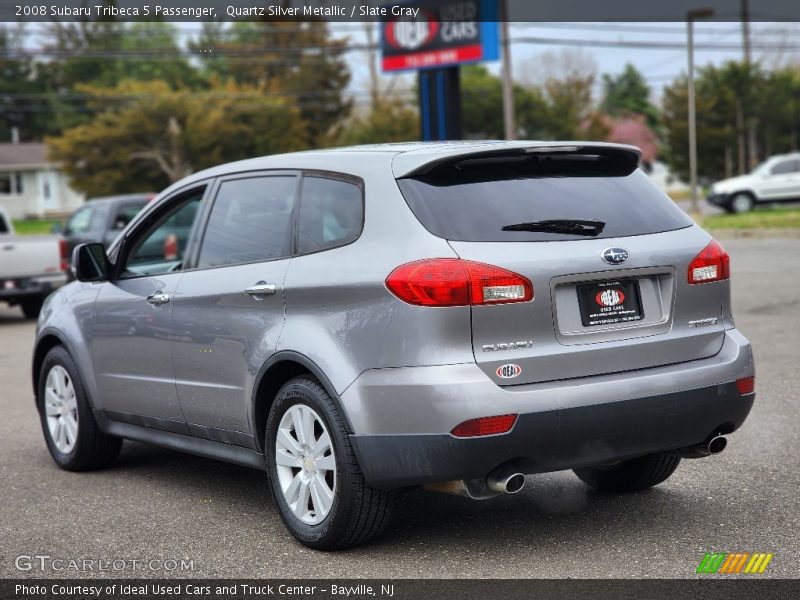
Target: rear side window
x: 540, y: 198
x: 787, y: 166
x: 80, y: 222
x: 331, y: 214
x: 251, y: 220
x: 125, y: 215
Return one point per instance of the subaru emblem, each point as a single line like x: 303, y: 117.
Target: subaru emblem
x: 615, y: 256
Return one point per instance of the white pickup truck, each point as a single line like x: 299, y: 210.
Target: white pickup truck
x: 30, y: 267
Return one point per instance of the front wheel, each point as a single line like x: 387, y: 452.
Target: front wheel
x: 630, y: 475
x: 313, y: 473
x: 73, y: 438
x: 741, y: 202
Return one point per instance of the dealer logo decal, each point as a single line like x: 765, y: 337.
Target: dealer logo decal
x: 508, y: 371
x: 610, y: 298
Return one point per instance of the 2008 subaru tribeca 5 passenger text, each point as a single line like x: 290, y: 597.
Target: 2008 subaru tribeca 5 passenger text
x: 360, y: 320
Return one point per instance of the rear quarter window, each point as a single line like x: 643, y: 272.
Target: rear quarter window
x: 331, y: 214
x: 473, y: 200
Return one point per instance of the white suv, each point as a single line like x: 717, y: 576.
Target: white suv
x: 776, y: 180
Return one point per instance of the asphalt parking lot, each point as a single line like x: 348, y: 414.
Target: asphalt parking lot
x: 159, y: 504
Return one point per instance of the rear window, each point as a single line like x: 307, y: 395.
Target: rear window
x: 540, y: 198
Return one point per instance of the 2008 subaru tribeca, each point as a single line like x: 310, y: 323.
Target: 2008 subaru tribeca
x: 361, y: 320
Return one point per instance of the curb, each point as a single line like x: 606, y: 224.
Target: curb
x: 756, y: 234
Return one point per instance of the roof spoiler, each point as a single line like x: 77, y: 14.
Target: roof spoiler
x: 415, y: 164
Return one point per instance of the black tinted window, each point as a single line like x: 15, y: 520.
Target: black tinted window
x: 251, y: 220
x: 475, y: 199
x: 161, y: 247
x: 331, y: 214
x: 125, y: 215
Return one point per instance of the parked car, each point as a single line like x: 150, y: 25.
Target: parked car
x: 776, y: 180
x: 30, y: 267
x: 357, y: 321
x: 103, y: 219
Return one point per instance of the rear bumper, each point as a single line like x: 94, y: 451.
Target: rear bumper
x: 29, y: 287
x: 561, y: 425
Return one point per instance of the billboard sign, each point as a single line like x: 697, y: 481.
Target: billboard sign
x: 443, y: 33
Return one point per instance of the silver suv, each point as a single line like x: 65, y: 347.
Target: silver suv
x: 361, y: 320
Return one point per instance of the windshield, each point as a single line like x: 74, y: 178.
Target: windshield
x: 561, y: 199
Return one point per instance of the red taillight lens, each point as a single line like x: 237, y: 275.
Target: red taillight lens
x: 712, y: 264
x: 485, y: 426
x: 456, y: 282
x: 62, y: 251
x: 746, y: 385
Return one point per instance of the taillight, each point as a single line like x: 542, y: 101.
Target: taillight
x: 63, y: 258
x: 456, y: 282
x: 485, y: 426
x: 746, y: 385
x: 712, y: 264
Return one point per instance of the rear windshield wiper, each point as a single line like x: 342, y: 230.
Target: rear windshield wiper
x: 566, y: 226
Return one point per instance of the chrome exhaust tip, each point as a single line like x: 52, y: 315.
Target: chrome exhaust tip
x: 717, y: 445
x: 504, y: 482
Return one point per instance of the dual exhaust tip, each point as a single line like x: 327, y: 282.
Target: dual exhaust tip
x: 505, y: 482
x: 502, y: 480
x: 713, y: 445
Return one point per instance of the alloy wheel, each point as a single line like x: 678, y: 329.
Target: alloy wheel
x: 305, y: 464
x: 61, y: 409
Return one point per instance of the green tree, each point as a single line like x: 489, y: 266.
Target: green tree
x: 150, y: 135
x: 730, y: 100
x: 105, y: 53
x: 570, y: 107
x: 299, y: 57
x: 22, y: 104
x: 482, y: 106
x: 388, y: 121
x: 628, y: 93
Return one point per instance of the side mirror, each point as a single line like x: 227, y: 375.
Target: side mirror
x: 90, y: 262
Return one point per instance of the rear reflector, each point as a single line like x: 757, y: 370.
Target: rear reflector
x: 746, y: 385
x: 456, y: 282
x: 712, y: 264
x: 485, y: 426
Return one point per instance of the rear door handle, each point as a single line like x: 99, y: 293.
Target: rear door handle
x: 262, y: 288
x: 158, y: 298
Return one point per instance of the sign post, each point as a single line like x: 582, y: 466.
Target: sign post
x: 444, y: 35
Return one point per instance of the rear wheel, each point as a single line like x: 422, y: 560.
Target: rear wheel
x: 740, y: 202
x: 73, y: 438
x: 630, y: 475
x: 31, y: 307
x: 313, y: 473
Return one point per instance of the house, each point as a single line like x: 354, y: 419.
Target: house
x: 32, y: 186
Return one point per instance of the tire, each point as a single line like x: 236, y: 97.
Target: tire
x: 631, y: 475
x: 356, y: 513
x: 740, y: 202
x: 83, y: 446
x: 31, y: 307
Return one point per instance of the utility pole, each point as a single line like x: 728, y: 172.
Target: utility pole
x: 746, y: 31
x: 691, y: 16
x: 507, y: 82
x: 752, y: 155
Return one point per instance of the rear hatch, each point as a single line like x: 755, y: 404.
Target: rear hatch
x: 606, y: 251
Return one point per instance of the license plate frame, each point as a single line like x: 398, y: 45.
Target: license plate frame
x: 610, y: 302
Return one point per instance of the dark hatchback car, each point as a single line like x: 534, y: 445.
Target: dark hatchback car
x: 102, y: 219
